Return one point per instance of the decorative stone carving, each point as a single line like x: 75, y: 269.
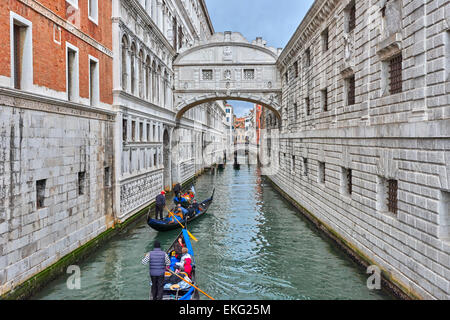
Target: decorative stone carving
x: 227, y: 53
x: 227, y: 74
x: 348, y: 46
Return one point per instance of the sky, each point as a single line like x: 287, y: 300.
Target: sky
x: 273, y: 20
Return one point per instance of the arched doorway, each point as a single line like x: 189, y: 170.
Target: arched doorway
x: 167, y: 181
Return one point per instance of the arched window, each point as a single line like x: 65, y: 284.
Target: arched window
x: 158, y: 85
x: 154, y: 82
x: 124, y: 63
x: 133, y: 68
x: 141, y: 73
x: 147, y: 78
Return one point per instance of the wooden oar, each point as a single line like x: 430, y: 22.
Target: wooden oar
x: 191, y: 285
x: 190, y: 234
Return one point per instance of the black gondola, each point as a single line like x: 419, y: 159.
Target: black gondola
x: 188, y: 293
x: 164, y: 225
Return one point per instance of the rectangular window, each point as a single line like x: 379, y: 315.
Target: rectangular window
x: 347, y: 181
x: 307, y: 58
x: 207, y: 75
x: 148, y: 131
x: 93, y: 11
x: 293, y: 164
x: 249, y: 74
x: 154, y: 159
x: 350, y: 83
x: 81, y: 182
x: 295, y: 111
x: 296, y: 69
x: 444, y: 216
x: 133, y: 130
x: 308, y: 106
x: 94, y: 81
x: 21, y: 52
x: 72, y: 74
x: 154, y: 133
x: 40, y: 193
x: 392, y: 196
x: 305, y: 167
x: 141, y: 131
x: 324, y: 99
x: 395, y: 75
x: 325, y: 40
x: 124, y: 129
x: 321, y: 173
x: 107, y: 177
x: 351, y: 17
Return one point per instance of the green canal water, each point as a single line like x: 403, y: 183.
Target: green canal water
x: 252, y: 245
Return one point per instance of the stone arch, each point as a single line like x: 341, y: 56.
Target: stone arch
x: 269, y: 103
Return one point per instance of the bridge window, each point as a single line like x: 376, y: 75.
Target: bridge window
x: 249, y: 74
x: 207, y: 75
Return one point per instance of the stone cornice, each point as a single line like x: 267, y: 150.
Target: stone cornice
x: 52, y: 105
x: 316, y: 15
x: 39, y: 8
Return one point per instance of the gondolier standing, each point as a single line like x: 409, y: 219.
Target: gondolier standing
x: 159, y: 205
x: 177, y: 190
x: 158, y: 260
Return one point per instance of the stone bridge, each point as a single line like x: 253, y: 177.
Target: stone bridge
x: 227, y: 67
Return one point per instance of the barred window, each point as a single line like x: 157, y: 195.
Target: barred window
x: 249, y: 74
x: 351, y: 90
x: 395, y: 74
x: 308, y: 106
x: 124, y: 129
x: 307, y: 57
x: 352, y: 18
x: 207, y: 74
x: 392, y: 196
x: 40, y: 193
x: 324, y: 94
x: 347, y: 185
x: 325, y: 40
x: 321, y: 172
x: 81, y: 182
x: 296, y: 69
x: 305, y: 166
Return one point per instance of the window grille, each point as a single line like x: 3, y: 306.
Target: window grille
x: 392, y: 196
x: 395, y: 74
x: 351, y: 90
x: 207, y: 74
x: 249, y: 74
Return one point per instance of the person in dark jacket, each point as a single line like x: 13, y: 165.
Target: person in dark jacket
x: 177, y: 190
x: 159, y: 205
x: 158, y: 261
x: 193, y: 209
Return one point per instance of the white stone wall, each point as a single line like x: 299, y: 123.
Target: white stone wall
x: 403, y: 136
x: 43, y: 141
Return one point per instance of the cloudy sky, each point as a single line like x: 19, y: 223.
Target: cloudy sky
x: 274, y: 20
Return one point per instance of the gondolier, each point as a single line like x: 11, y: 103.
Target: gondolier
x: 177, y: 190
x: 159, y: 205
x: 158, y: 261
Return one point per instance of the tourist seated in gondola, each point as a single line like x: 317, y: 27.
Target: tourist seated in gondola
x: 180, y: 200
x: 193, y: 209
x: 179, y: 245
x: 177, y: 214
x: 186, y: 255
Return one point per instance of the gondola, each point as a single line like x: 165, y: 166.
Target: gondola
x: 186, y: 292
x: 165, y: 225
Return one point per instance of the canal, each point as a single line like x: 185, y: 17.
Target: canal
x: 252, y: 245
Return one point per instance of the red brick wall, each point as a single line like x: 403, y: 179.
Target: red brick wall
x: 49, y: 58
